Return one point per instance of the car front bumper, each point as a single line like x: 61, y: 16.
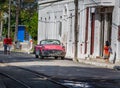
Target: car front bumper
x: 53, y: 53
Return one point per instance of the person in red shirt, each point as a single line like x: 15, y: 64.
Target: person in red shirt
x: 5, y: 44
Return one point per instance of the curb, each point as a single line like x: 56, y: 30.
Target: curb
x: 99, y: 64
x: 96, y: 63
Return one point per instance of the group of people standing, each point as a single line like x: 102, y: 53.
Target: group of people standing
x: 7, y: 43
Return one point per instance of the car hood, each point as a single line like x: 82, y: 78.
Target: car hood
x: 57, y: 47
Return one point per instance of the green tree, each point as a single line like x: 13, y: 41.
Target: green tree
x: 33, y: 26
x: 26, y: 14
x: 3, y: 10
x: 30, y: 20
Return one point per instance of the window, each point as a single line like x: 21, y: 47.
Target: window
x: 49, y: 42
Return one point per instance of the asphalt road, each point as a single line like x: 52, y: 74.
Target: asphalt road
x: 67, y: 72
x: 13, y: 77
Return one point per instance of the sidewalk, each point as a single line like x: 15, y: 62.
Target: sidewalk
x: 96, y: 61
x: 100, y: 62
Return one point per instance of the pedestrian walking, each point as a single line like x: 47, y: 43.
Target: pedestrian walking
x: 9, y: 45
x: 107, y: 51
x: 30, y: 45
x: 5, y: 44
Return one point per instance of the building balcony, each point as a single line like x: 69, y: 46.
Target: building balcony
x: 92, y: 3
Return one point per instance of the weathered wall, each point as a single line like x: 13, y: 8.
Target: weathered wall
x: 51, y: 15
x: 116, y: 21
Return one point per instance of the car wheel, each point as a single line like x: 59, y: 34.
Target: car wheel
x: 41, y: 57
x: 39, y: 54
x: 36, y: 56
x: 56, y: 57
x: 62, y: 58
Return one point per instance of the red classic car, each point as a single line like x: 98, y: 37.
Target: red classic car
x: 50, y: 48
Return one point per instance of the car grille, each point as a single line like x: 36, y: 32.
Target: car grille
x: 53, y: 52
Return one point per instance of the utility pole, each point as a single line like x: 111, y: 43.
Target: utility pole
x: 9, y: 17
x: 76, y: 31
x: 17, y: 19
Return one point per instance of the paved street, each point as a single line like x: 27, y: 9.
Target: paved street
x: 59, y: 69
x: 13, y: 77
x: 83, y: 36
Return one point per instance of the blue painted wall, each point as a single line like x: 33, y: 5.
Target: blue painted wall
x: 21, y: 33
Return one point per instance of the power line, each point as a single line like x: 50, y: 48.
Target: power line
x: 95, y: 2
x: 50, y: 2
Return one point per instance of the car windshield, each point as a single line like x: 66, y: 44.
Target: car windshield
x: 44, y: 42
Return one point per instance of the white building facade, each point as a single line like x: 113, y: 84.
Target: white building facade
x: 98, y: 21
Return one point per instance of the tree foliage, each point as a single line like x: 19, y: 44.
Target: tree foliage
x: 3, y: 10
x: 30, y: 20
x: 32, y: 26
x: 28, y: 16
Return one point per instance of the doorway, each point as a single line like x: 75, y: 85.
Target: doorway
x: 92, y: 33
x: 105, y: 29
